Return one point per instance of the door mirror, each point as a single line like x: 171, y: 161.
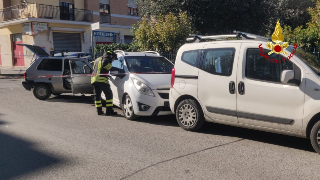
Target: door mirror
x: 286, y: 76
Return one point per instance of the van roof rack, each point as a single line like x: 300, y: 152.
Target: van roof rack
x: 153, y: 52
x: 237, y: 34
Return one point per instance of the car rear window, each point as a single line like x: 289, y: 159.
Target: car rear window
x: 50, y: 65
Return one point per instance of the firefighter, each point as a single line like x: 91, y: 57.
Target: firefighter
x: 100, y: 82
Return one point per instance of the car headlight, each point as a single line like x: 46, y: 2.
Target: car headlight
x: 142, y: 88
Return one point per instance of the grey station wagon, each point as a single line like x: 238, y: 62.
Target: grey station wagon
x: 41, y: 75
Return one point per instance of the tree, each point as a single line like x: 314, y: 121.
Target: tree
x: 224, y: 16
x: 307, y: 36
x: 163, y: 33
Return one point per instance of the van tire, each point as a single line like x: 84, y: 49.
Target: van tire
x: 315, y: 133
x: 41, y: 91
x: 189, y: 115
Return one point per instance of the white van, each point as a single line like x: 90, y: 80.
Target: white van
x: 236, y: 82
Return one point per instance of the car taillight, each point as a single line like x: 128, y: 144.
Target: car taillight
x: 173, y: 77
x: 25, y: 75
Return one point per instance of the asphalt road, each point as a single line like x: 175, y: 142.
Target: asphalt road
x: 63, y: 138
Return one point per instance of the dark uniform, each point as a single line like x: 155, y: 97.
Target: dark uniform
x: 100, y: 83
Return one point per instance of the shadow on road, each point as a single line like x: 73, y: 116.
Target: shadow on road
x: 18, y: 157
x: 160, y: 120
x: 71, y: 99
x: 230, y: 131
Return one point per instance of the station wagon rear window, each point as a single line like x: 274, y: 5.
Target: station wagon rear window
x: 50, y: 65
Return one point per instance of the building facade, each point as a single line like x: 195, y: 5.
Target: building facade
x: 61, y: 25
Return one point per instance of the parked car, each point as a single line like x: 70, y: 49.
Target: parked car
x: 143, y: 89
x: 38, y: 76
x: 229, y: 82
x: 140, y: 81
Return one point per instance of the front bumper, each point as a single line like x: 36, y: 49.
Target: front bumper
x: 157, y: 105
x: 27, y: 85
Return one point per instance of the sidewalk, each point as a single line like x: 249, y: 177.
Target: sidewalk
x: 12, y: 71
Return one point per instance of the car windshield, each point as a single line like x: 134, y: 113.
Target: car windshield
x: 148, y: 65
x: 308, y: 58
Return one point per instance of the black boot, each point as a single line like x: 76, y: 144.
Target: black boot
x: 110, y: 112
x: 99, y: 110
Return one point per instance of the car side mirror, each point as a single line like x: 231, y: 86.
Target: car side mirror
x: 286, y: 76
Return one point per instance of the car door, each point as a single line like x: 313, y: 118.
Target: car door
x: 81, y: 76
x: 117, y: 81
x: 216, y: 83
x: 262, y: 99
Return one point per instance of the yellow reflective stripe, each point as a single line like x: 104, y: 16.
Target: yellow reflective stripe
x: 97, y: 102
x: 109, y: 105
x: 109, y: 100
x: 99, y: 68
x: 108, y: 66
x: 98, y: 105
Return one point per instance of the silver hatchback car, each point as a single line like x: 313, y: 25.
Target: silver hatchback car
x: 47, y: 75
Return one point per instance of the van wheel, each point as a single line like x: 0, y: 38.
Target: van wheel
x: 127, y: 108
x: 315, y: 137
x: 42, y: 91
x: 189, y: 115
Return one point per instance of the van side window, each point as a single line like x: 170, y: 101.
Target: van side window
x: 218, y: 61
x: 50, y: 65
x: 259, y: 68
x: 190, y: 57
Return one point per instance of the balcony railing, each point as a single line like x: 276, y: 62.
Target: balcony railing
x: 105, y: 18
x: 33, y: 10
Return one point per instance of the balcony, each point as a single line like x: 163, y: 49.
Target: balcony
x: 105, y: 18
x: 33, y: 10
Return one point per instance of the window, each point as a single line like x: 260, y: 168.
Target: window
x: 104, y: 9
x: 190, y: 57
x: 132, y: 8
x: 132, y: 11
x: 259, y: 68
x: 66, y: 11
x: 50, y: 65
x: 148, y: 65
x: 218, y: 61
x: 80, y: 67
x: 117, y: 64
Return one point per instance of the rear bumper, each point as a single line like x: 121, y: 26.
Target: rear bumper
x: 27, y: 85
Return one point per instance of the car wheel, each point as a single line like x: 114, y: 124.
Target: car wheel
x: 189, y: 115
x: 42, y: 91
x: 315, y: 137
x: 127, y: 108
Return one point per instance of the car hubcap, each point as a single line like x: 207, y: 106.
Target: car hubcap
x: 128, y: 107
x: 318, y: 137
x: 41, y: 91
x: 187, y: 115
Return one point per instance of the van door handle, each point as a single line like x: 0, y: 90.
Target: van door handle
x: 232, y: 87
x: 241, y: 88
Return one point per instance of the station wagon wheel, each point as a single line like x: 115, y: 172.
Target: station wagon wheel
x: 127, y: 108
x: 189, y: 115
x: 42, y: 91
x: 315, y: 137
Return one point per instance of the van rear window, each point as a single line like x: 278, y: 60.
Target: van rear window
x: 190, y: 57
